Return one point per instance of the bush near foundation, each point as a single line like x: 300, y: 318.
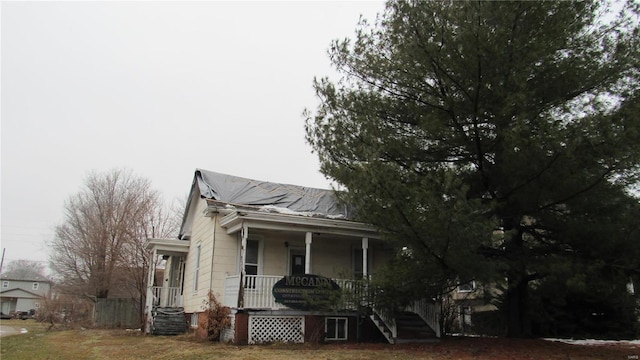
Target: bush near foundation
x: 214, y: 319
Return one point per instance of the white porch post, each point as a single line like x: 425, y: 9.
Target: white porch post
x: 365, y: 262
x: 243, y: 249
x: 307, y: 257
x: 164, y: 293
x: 150, y: 280
x: 243, y: 261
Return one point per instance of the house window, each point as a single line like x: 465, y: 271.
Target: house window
x: 35, y: 286
x: 358, y: 272
x: 251, y: 260
x: 467, y: 287
x: 335, y: 328
x: 194, y: 320
x: 297, y: 262
x: 196, y: 273
x: 5, y: 284
x: 37, y: 305
x: 465, y: 314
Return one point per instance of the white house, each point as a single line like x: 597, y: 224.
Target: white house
x: 277, y: 255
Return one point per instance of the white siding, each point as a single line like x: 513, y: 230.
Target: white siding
x: 201, y: 235
x: 226, y: 250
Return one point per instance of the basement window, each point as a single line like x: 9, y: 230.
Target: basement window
x: 194, y: 320
x: 467, y: 287
x: 335, y: 328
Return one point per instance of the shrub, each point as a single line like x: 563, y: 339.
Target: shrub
x: 214, y: 319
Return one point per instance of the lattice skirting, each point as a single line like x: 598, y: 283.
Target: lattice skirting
x: 265, y: 329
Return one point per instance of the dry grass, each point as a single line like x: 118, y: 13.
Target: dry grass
x: 120, y: 344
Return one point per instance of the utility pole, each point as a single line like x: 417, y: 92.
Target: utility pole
x: 2, y: 261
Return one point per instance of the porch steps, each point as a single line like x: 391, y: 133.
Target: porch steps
x: 168, y: 321
x: 384, y: 329
x: 411, y: 328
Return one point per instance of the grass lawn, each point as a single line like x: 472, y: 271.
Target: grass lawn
x: 37, y: 343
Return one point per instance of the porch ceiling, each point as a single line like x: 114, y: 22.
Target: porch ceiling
x: 168, y: 246
x: 234, y: 221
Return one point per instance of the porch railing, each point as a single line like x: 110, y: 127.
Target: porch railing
x: 258, y: 292
x: 258, y: 295
x: 429, y: 312
x: 166, y: 296
x: 231, y: 288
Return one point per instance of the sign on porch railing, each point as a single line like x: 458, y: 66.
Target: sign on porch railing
x: 307, y: 292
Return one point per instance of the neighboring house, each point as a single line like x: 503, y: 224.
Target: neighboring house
x: 23, y: 294
x: 288, y: 260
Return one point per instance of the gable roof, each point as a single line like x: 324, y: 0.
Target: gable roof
x: 241, y: 191
x: 19, y: 293
x: 238, y: 192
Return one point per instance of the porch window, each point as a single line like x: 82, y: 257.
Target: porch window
x: 35, y: 286
x: 5, y: 284
x: 251, y: 262
x: 196, y: 272
x: 297, y: 262
x: 335, y: 328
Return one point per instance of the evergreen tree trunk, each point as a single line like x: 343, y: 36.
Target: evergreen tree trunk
x: 516, y: 296
x: 518, y: 320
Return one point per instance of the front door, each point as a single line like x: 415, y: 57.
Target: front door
x: 297, y: 264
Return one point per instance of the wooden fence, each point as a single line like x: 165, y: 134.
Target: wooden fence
x: 117, y: 313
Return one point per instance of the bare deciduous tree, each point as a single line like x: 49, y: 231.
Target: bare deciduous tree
x: 24, y: 269
x: 160, y: 223
x: 101, y: 240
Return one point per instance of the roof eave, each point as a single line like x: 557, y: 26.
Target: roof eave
x: 234, y: 222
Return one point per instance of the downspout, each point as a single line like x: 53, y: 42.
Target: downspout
x: 213, y: 250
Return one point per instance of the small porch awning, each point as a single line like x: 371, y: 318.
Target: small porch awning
x: 172, y: 247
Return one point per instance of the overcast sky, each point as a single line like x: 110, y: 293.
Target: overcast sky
x: 161, y: 88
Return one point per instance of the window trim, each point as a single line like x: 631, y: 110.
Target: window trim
x: 291, y: 251
x: 196, y: 270
x: 473, y: 287
x: 260, y: 240
x: 194, y: 320
x: 335, y: 330
x: 35, y: 286
x: 5, y: 284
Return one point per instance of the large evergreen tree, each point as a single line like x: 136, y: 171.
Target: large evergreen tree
x: 483, y: 135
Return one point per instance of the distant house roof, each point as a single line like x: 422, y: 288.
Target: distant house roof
x: 239, y: 192
x: 19, y: 293
x: 22, y: 277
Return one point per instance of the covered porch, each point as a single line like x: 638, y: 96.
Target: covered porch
x: 312, y: 246
x: 166, y: 298
x: 273, y: 245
